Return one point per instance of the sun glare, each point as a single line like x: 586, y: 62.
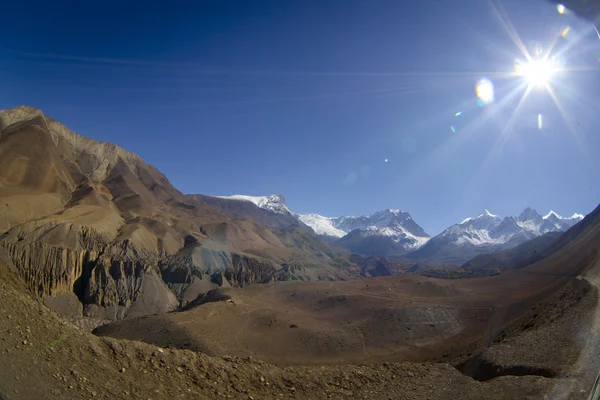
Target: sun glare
x: 485, y: 91
x: 536, y: 72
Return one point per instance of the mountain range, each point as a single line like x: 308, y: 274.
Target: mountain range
x: 387, y: 232
x: 486, y: 233
x: 95, y: 230
x: 394, y: 232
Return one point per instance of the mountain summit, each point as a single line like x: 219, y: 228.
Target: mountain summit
x: 386, y: 232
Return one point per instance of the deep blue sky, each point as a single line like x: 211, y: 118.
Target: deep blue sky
x: 308, y: 99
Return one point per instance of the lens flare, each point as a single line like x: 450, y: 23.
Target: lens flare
x: 537, y: 72
x: 485, y: 91
x: 540, y: 122
x: 561, y: 8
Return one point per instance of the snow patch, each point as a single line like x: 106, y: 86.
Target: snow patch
x: 321, y: 225
x: 464, y: 221
x: 489, y: 214
x: 274, y: 202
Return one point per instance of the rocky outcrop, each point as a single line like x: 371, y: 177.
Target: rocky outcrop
x: 48, y: 269
x: 100, y: 274
x: 196, y: 268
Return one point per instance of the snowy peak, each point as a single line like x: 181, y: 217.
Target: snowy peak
x: 274, y: 202
x: 552, y: 221
x: 390, y: 218
x: 486, y: 213
x: 486, y: 220
x: 552, y: 215
x: 529, y: 214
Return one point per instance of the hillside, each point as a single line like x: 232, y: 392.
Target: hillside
x: 91, y: 223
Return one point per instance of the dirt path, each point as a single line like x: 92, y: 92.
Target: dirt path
x: 588, y: 365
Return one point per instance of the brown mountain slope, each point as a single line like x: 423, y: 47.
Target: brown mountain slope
x: 90, y: 218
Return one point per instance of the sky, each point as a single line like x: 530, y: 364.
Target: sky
x: 344, y: 107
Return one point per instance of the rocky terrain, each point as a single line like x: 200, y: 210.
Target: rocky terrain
x: 43, y: 356
x: 531, y: 321
x: 193, y: 296
x: 542, y: 347
x: 90, y: 223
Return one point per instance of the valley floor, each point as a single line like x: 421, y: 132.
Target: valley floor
x: 43, y: 356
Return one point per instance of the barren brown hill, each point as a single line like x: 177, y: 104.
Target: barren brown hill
x: 91, y: 223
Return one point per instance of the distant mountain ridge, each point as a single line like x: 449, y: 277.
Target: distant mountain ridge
x: 386, y: 232
x: 394, y: 232
x: 384, y: 222
x: 487, y: 232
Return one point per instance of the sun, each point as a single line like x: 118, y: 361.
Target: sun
x: 538, y: 72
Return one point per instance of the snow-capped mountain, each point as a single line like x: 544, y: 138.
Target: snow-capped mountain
x: 389, y: 231
x: 274, y: 202
x: 560, y: 222
x: 385, y: 232
x: 488, y: 232
x: 394, y: 232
